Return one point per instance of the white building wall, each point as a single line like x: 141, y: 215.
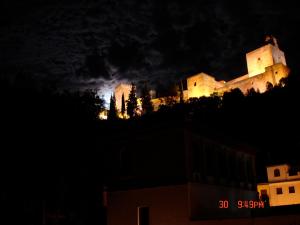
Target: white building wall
x: 285, y: 198
x: 283, y: 189
x: 283, y: 173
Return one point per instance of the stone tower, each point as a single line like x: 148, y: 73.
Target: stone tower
x: 119, y: 91
x: 267, y: 55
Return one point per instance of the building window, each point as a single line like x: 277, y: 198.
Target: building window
x: 258, y: 59
x: 195, y: 84
x: 279, y: 191
x: 292, y: 189
x: 276, y: 173
x: 143, y: 215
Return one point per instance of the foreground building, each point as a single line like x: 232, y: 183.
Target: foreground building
x: 176, y: 176
x: 283, y: 186
x: 265, y: 65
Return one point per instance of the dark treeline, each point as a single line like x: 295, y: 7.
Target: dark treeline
x: 268, y: 121
x: 51, y: 156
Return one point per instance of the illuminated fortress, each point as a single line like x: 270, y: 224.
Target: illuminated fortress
x: 266, y: 64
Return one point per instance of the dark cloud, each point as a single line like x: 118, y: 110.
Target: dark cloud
x: 125, y: 57
x: 99, y: 43
x: 96, y: 66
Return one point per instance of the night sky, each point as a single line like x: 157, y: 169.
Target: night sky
x: 97, y: 44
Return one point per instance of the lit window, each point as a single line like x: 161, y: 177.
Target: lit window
x: 276, y: 173
x: 143, y: 215
x: 279, y: 191
x: 195, y: 84
x: 292, y: 189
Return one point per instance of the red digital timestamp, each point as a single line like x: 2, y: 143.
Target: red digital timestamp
x: 242, y: 204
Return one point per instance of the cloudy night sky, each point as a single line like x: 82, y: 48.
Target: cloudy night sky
x: 97, y: 44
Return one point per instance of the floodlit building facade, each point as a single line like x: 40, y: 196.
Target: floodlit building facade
x: 266, y: 64
x: 283, y: 186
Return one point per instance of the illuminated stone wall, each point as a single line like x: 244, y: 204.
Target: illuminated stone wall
x: 202, y: 85
x: 280, y: 71
x: 278, y: 55
x: 263, y: 57
x: 272, y: 74
x: 119, y: 90
x: 265, y: 64
x: 157, y: 102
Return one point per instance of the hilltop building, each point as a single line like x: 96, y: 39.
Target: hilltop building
x: 266, y: 64
x: 283, y: 186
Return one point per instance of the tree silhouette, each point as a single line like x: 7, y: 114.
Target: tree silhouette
x: 132, y: 102
x: 269, y: 86
x: 123, y: 107
x: 146, y: 100
x: 233, y: 98
x: 251, y: 92
x: 181, y: 100
x: 91, y: 103
x: 112, y: 115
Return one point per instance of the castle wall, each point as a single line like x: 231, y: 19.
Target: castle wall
x: 157, y: 102
x: 257, y: 82
x: 263, y: 57
x: 265, y: 64
x: 238, y: 79
x: 278, y: 55
x: 201, y: 85
x: 272, y: 74
x: 280, y: 71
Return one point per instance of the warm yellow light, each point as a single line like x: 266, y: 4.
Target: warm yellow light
x: 102, y: 115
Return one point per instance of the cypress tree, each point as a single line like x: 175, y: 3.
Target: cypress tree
x: 112, y: 115
x: 146, y: 100
x: 132, y: 102
x: 123, y: 107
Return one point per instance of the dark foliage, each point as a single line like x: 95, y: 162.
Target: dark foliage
x: 146, y: 100
x: 265, y: 121
x: 51, y: 153
x: 112, y: 115
x: 132, y: 102
x: 123, y: 106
